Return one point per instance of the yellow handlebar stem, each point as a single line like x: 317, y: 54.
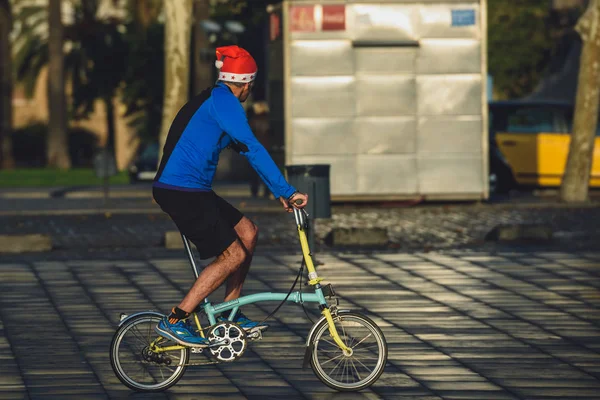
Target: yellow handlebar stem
x: 312, y: 274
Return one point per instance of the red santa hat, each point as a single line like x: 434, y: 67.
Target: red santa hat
x: 235, y: 64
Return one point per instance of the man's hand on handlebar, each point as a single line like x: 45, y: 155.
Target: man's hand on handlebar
x: 298, y: 200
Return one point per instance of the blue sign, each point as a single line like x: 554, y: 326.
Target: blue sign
x: 463, y: 17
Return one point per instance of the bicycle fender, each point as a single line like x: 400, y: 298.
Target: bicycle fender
x: 154, y: 313
x: 307, y: 355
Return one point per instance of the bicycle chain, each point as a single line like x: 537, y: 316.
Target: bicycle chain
x: 185, y: 365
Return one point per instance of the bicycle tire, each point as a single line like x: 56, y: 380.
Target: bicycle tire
x: 318, y: 362
x: 117, y: 363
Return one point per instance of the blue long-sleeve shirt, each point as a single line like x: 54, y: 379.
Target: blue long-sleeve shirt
x: 203, y: 127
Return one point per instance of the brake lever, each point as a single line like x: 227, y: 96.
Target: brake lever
x: 301, y: 220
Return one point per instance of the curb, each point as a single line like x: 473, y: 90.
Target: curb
x: 520, y: 232
x: 362, y: 237
x: 25, y: 243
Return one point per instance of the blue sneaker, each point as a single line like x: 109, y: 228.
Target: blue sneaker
x: 180, y: 332
x: 244, y: 322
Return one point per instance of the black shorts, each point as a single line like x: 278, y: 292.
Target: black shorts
x: 206, y: 219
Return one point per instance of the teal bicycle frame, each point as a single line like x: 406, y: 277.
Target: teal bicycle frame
x: 234, y: 305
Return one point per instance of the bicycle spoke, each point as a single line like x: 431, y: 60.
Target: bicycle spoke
x: 334, y: 368
x: 331, y: 343
x: 362, y: 340
x: 343, y: 330
x: 331, y: 359
x: 355, y: 369
x: 135, y: 331
x: 360, y: 362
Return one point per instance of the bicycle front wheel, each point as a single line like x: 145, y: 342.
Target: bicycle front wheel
x: 349, y: 372
x: 136, y: 365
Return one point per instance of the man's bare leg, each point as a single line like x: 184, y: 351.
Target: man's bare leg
x: 248, y: 234
x: 214, y: 275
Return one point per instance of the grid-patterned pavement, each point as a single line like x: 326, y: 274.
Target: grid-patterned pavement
x: 459, y: 324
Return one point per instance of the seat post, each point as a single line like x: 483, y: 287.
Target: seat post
x: 188, y: 250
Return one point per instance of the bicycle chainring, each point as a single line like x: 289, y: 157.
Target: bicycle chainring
x: 233, y: 338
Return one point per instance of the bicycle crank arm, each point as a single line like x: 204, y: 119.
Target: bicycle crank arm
x: 218, y: 344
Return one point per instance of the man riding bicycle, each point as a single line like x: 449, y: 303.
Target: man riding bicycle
x: 208, y: 123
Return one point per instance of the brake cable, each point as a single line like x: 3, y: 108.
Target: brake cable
x: 299, y: 276
x: 301, y: 302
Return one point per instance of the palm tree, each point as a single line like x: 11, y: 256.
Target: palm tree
x: 57, y: 151
x: 6, y: 158
x: 178, y: 15
x: 94, y: 59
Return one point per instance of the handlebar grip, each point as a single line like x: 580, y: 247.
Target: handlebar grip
x: 298, y: 201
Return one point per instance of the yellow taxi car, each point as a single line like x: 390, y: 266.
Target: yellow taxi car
x: 529, y: 143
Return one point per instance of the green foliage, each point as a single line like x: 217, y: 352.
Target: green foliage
x: 47, y: 177
x: 97, y: 60
x: 143, y: 88
x: 30, y: 47
x: 521, y: 40
x: 94, y: 57
x: 102, y: 57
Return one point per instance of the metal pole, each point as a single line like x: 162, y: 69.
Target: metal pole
x: 106, y: 175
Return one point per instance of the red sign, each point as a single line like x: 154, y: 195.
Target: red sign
x: 275, y: 30
x: 334, y: 18
x: 302, y: 19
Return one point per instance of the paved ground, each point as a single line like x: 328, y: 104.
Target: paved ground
x: 460, y: 324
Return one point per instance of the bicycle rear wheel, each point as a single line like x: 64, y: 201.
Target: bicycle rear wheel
x: 136, y: 365
x: 349, y: 372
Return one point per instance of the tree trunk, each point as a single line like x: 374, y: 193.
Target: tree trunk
x: 6, y: 156
x: 575, y: 184
x: 178, y: 18
x: 202, y: 65
x: 57, y: 147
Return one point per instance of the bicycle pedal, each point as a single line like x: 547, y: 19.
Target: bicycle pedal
x: 255, y: 334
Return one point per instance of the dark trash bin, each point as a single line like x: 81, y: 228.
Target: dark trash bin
x: 314, y: 181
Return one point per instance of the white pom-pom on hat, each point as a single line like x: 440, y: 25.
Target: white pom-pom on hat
x: 219, y: 64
